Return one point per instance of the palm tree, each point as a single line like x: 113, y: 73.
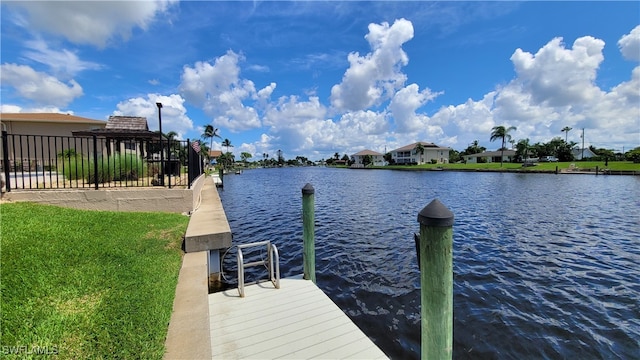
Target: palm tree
x: 209, y: 133
x: 566, y: 130
x: 245, y: 156
x: 227, y: 143
x: 174, y: 146
x: 522, y: 149
x: 418, y: 149
x: 500, y: 132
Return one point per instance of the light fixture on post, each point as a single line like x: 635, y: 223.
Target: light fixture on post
x: 159, y: 105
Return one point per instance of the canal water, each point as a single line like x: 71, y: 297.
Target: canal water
x: 545, y: 266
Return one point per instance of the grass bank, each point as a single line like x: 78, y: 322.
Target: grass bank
x: 540, y: 167
x: 87, y: 284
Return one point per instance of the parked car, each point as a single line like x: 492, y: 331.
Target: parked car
x: 548, y: 159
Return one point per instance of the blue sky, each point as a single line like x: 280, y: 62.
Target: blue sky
x: 314, y: 78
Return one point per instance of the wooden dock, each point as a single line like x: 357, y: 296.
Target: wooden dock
x: 297, y: 321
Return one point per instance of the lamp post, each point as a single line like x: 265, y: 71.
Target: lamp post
x: 159, y: 105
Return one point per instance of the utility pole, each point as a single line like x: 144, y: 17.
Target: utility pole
x: 582, y: 156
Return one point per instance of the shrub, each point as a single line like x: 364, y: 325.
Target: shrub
x: 73, y: 167
x: 115, y: 168
x: 68, y: 154
x: 128, y: 168
x: 633, y: 155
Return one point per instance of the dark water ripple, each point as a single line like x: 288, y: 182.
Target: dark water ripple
x: 545, y: 266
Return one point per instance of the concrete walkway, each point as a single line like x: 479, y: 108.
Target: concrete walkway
x: 188, y: 336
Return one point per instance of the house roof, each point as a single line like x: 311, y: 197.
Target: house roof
x: 367, y: 152
x: 49, y: 117
x: 577, y: 152
x: 214, y: 153
x: 122, y: 127
x: 426, y: 145
x: 493, y: 153
x: 127, y: 123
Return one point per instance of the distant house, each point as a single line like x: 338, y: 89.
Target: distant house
x: 45, y: 131
x: 579, y: 154
x: 410, y: 154
x: 377, y: 159
x: 51, y: 124
x: 125, y: 134
x: 491, y: 156
x: 213, y: 155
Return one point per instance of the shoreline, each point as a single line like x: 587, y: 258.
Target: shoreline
x: 517, y: 171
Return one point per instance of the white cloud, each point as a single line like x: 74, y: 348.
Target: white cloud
x: 470, y: 117
x: 374, y: 77
x: 265, y: 93
x: 220, y: 92
x: 8, y: 108
x: 39, y: 87
x: 174, y: 114
x: 629, y: 45
x: 403, y: 108
x: 258, y: 68
x: 89, y: 22
x: 290, y: 111
x: 616, y: 115
x: 558, y: 76
x: 62, y: 62
x: 554, y: 88
x: 364, y: 123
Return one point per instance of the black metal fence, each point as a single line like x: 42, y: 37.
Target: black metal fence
x: 59, y: 162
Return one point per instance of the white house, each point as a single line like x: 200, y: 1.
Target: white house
x: 411, y: 154
x: 377, y: 159
x: 491, y: 156
x: 578, y: 153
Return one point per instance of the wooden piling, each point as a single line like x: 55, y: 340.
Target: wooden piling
x: 309, y: 250
x: 436, y: 281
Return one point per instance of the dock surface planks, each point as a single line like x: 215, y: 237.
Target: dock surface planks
x: 297, y: 321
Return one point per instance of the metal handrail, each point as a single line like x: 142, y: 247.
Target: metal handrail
x: 273, y: 260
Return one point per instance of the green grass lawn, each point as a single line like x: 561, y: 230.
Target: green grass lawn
x: 582, y: 165
x: 87, y: 284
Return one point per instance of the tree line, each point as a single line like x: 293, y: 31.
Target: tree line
x: 557, y: 147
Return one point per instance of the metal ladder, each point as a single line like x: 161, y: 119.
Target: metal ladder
x: 273, y: 261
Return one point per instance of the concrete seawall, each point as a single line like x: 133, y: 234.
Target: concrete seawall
x: 131, y: 199
x: 189, y: 335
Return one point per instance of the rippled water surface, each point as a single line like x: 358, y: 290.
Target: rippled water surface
x: 545, y: 266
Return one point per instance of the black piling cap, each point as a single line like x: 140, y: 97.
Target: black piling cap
x: 308, y: 189
x: 435, y: 214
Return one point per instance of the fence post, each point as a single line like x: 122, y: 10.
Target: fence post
x: 6, y: 165
x: 309, y: 250
x: 5, y: 160
x: 169, y: 161
x: 436, y: 281
x: 95, y: 161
